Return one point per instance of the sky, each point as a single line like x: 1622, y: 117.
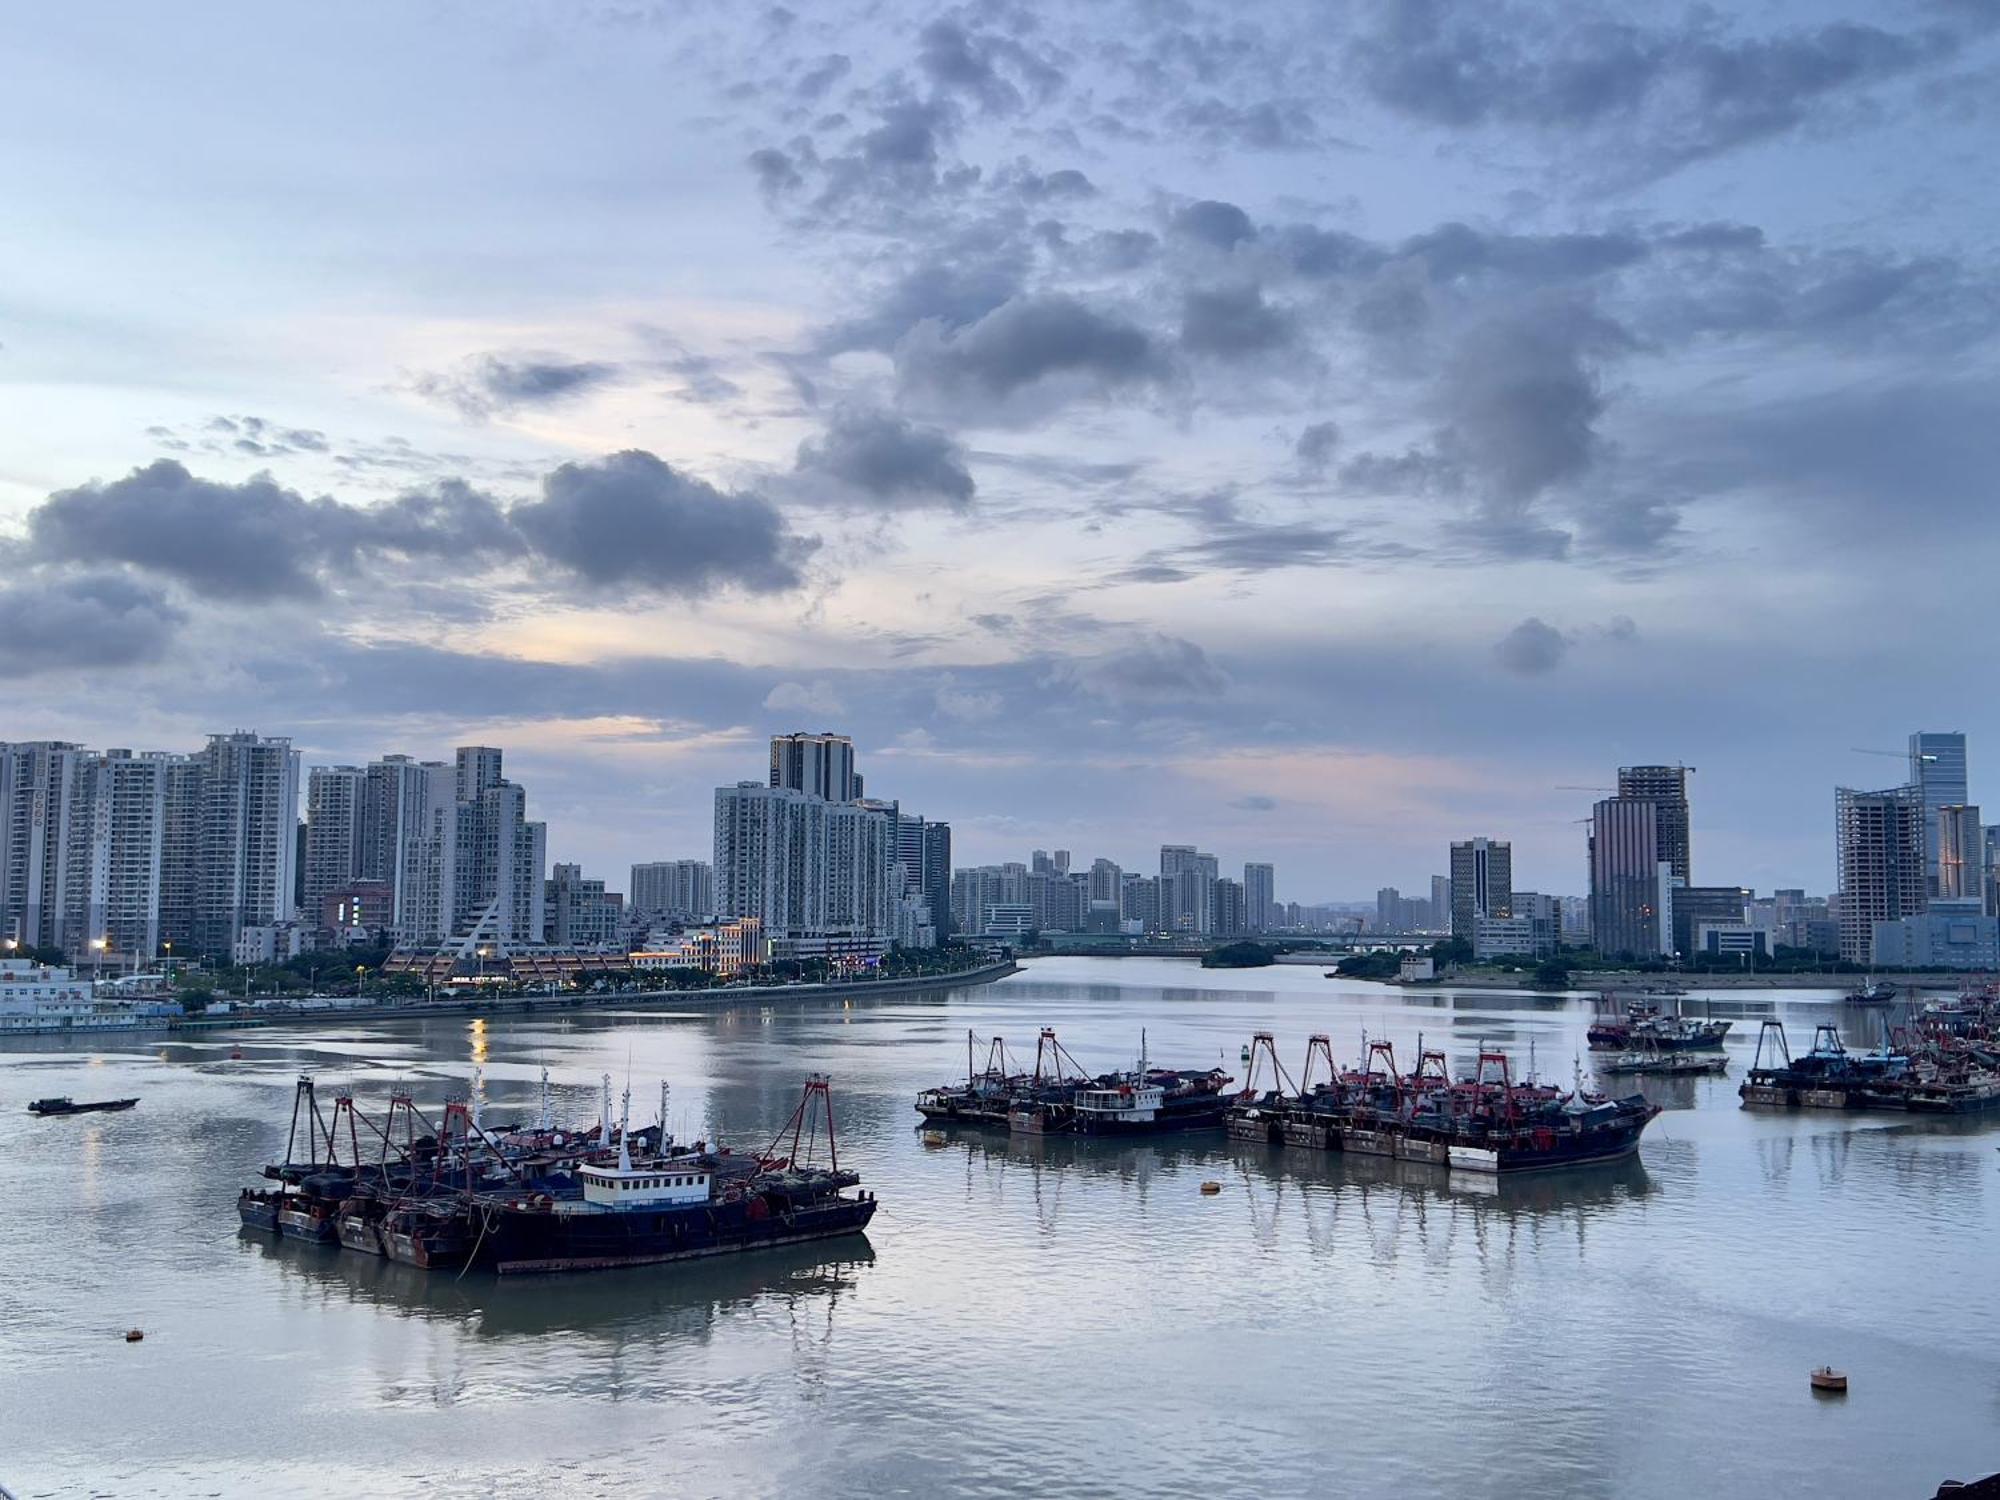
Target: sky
x: 1315, y: 432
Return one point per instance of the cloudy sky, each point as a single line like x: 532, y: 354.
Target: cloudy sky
x: 1312, y: 431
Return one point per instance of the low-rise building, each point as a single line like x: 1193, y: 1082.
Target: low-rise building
x: 1511, y: 937
x: 271, y: 943
x: 1950, y: 935
x: 724, y: 948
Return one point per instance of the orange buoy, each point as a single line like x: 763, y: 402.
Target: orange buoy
x: 1826, y: 1378
x: 134, y: 1335
x: 1211, y: 1187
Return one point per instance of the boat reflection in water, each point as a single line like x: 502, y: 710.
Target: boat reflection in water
x: 1164, y: 1161
x: 615, y: 1305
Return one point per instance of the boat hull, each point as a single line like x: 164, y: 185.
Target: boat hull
x: 529, y: 1242
x: 104, y: 1106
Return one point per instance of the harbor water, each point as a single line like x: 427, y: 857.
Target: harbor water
x: 1025, y: 1317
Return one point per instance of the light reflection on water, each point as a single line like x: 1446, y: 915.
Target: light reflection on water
x: 1026, y: 1316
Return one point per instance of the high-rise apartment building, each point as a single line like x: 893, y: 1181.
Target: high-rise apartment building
x: 1482, y: 883
x: 340, y: 833
x: 579, y: 912
x: 37, y: 782
x: 1666, y: 788
x: 1228, y: 911
x: 1106, y: 879
x: 1938, y: 772
x: 1190, y: 876
x: 499, y: 855
x: 1631, y: 880
x: 937, y: 878
x: 819, y: 764
x: 1260, y: 900
x: 673, y: 888
x: 1883, y: 873
x: 804, y: 866
x: 246, y: 841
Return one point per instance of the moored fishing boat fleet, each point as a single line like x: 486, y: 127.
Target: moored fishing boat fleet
x: 1945, y: 1059
x: 1488, y: 1121
x: 545, y: 1197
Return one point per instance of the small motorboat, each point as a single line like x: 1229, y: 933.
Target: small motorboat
x: 71, y: 1107
x: 1826, y: 1378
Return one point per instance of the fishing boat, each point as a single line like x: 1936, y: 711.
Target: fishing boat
x: 1487, y: 1122
x: 1642, y: 1024
x: 1872, y: 993
x: 680, y: 1206
x: 64, y: 1106
x: 1649, y: 1059
x: 1059, y: 1096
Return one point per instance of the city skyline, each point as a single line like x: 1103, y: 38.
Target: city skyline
x: 560, y: 848
x: 1313, y: 454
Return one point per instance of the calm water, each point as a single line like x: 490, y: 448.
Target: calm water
x: 1033, y: 1318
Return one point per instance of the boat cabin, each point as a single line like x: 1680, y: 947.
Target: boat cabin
x: 1134, y: 1102
x: 672, y: 1183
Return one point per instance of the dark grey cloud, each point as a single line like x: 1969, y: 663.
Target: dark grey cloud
x: 888, y: 459
x: 1315, y: 448
x: 1923, y: 448
x: 1246, y: 547
x: 1232, y: 323
x: 256, y: 541
x: 1263, y: 125
x: 1222, y: 226
x: 953, y: 58
x: 627, y: 519
x: 1531, y: 648
x: 632, y: 522
x: 960, y: 285
x: 1669, y: 94
x: 777, y: 174
x: 71, y: 622
x: 1154, y: 669
x: 1036, y: 338
x: 489, y: 384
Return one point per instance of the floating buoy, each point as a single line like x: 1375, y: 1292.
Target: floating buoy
x: 1826, y: 1378
x: 134, y: 1335
x: 236, y: 1054
x: 933, y: 1139
x: 1211, y: 1187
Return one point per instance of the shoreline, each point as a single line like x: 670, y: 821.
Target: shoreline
x: 543, y: 1005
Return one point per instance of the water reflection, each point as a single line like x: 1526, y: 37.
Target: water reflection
x: 638, y: 1303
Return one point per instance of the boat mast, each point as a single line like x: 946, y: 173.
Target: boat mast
x: 624, y: 1134
x: 546, y: 1120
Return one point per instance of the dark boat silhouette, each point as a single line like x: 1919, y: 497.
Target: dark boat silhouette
x: 71, y: 1107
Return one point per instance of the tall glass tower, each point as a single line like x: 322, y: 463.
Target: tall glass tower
x: 1937, y: 771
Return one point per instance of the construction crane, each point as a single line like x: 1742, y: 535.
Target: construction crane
x: 1586, y: 788
x: 1923, y: 758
